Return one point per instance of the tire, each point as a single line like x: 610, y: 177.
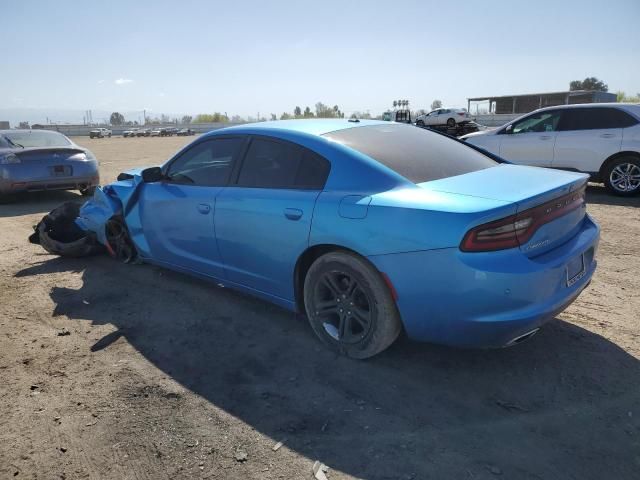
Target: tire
x: 119, y: 243
x: 420, y: 123
x: 87, y: 192
x: 109, y: 135
x: 340, y: 278
x: 622, y: 176
x: 6, y: 198
x: 451, y: 122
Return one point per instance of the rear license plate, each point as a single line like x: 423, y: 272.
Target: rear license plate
x: 575, y: 270
x: 61, y: 171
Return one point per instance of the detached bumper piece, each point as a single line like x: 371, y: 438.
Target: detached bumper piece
x: 59, y: 234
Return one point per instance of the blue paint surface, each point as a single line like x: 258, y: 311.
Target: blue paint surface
x: 253, y: 238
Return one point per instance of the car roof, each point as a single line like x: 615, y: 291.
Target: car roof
x: 315, y: 127
x: 28, y: 130
x: 591, y: 105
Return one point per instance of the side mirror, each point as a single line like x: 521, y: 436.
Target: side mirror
x: 152, y: 174
x: 509, y: 129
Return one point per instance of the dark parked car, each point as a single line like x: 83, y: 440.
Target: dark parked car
x: 185, y: 132
x: 33, y: 160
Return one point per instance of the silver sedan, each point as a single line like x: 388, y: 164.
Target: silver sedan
x: 32, y: 160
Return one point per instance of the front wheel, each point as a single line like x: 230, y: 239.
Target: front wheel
x: 622, y: 176
x: 420, y: 123
x: 349, y: 305
x: 119, y: 243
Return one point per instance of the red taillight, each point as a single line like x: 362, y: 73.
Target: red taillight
x: 517, y: 229
x: 462, y: 114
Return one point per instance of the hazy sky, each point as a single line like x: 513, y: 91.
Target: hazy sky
x: 269, y: 56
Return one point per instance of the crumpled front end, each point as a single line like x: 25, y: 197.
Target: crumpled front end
x: 104, y: 221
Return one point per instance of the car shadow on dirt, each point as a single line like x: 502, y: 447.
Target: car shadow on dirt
x: 37, y: 202
x: 599, y: 195
x: 565, y: 404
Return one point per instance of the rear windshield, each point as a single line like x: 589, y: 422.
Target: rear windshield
x: 37, y: 138
x: 415, y: 153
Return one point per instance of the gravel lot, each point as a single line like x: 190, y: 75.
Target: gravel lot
x: 113, y: 371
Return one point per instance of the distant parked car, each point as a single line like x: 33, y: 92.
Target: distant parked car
x: 602, y: 140
x: 443, y: 116
x: 32, y: 160
x: 143, y: 132
x: 157, y: 132
x: 185, y: 132
x: 130, y: 133
x: 171, y: 131
x: 100, y: 133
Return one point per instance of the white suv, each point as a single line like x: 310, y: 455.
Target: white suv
x: 100, y: 133
x: 601, y: 139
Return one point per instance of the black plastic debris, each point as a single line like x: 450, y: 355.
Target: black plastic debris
x: 58, y: 233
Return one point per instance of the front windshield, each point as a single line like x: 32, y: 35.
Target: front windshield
x: 37, y: 138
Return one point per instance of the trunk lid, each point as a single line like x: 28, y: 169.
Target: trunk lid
x: 51, y: 162
x: 526, y: 187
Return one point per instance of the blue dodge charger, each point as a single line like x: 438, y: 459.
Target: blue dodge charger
x: 368, y: 227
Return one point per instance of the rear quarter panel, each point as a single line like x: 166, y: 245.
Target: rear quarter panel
x: 401, y: 220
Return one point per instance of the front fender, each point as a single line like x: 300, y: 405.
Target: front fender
x: 119, y: 198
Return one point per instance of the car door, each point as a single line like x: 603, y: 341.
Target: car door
x: 434, y: 117
x: 177, y: 212
x: 587, y: 136
x: 263, y: 221
x: 530, y: 141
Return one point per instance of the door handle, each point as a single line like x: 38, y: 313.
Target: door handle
x: 293, y: 213
x: 545, y: 137
x: 608, y: 135
x: 204, y: 208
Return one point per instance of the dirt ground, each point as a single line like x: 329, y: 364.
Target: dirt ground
x: 112, y: 371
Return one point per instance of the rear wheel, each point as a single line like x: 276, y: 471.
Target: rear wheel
x: 7, y: 198
x: 349, y: 306
x: 622, y: 176
x: 451, y: 122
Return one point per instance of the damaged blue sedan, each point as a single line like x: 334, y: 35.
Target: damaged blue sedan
x: 370, y: 228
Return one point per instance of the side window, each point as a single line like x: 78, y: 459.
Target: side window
x: 538, y: 122
x: 207, y: 164
x: 270, y: 164
x: 595, y: 119
x: 313, y: 171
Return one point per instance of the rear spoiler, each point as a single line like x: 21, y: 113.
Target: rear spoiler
x: 49, y: 150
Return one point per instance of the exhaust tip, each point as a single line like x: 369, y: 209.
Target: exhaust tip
x: 522, y: 338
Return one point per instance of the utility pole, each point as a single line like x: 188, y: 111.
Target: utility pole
x: 144, y: 115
